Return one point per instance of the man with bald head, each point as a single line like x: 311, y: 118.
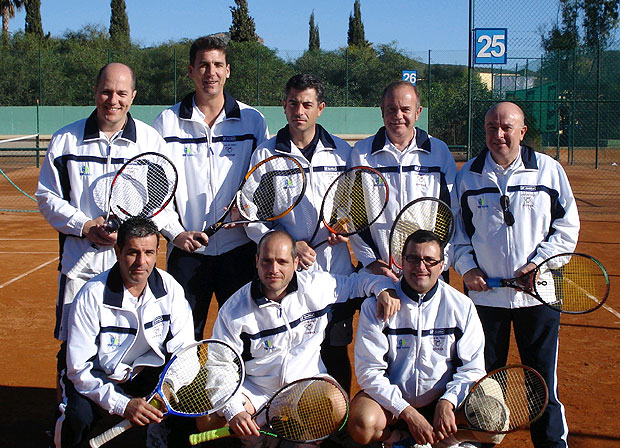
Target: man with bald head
x: 74, y: 182
x: 517, y: 209
x: 413, y: 163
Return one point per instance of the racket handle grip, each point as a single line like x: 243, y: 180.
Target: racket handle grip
x: 494, y: 282
x: 207, y: 436
x: 114, y: 431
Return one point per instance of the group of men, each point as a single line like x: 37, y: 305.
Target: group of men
x: 284, y: 304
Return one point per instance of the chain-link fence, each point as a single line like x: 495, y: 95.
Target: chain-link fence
x: 571, y: 97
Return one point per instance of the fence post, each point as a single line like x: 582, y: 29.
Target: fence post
x: 469, y: 73
x: 429, y: 89
x: 258, y: 75
x: 37, y: 141
x: 40, y: 75
x: 598, y: 101
x: 346, y: 76
x: 175, y: 75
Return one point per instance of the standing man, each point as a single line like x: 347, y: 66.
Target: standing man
x: 415, y: 368
x: 123, y: 325
x: 210, y: 138
x: 517, y: 209
x: 74, y: 183
x: 277, y: 322
x: 413, y: 163
x: 324, y: 157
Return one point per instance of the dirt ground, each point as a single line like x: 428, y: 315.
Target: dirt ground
x: 589, y: 359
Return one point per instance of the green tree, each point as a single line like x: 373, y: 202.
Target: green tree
x: 314, y: 41
x: 242, y: 28
x: 33, y: 18
x: 564, y: 36
x: 355, y: 35
x: 600, y: 19
x: 119, y: 23
x: 7, y: 10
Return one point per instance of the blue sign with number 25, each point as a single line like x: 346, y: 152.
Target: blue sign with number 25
x: 490, y: 45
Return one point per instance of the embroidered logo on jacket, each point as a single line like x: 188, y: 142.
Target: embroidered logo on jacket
x: 114, y: 341
x: 268, y: 345
x: 84, y: 170
x: 482, y: 203
x: 401, y: 343
x: 187, y: 151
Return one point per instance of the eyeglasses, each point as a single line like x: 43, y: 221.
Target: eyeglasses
x: 428, y: 261
x: 509, y: 218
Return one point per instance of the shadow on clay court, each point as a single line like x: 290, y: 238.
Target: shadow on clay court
x: 27, y: 413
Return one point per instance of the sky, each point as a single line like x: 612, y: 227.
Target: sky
x: 283, y: 24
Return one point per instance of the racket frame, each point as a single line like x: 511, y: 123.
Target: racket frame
x: 450, y: 230
x: 334, y: 184
x: 472, y: 427
x: 211, y: 229
x: 514, y: 283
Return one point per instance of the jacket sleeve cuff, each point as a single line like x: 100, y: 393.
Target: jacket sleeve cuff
x: 172, y: 230
x: 76, y: 223
x: 463, y: 266
x: 451, y: 397
x: 397, y: 408
x: 120, y: 405
x: 234, y: 407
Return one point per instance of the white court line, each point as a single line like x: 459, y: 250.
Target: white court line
x: 590, y: 296
x: 26, y: 253
x: 29, y: 272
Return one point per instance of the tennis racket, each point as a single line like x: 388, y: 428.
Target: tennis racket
x: 270, y: 190
x: 426, y: 213
x: 568, y: 283
x: 142, y: 187
x: 353, y: 201
x: 503, y: 401
x: 198, y: 380
x: 304, y: 411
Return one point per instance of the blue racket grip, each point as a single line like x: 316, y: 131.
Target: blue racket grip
x: 494, y: 282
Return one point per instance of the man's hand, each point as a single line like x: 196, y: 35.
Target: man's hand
x: 474, y: 280
x: 94, y: 230
x: 528, y: 272
x: 243, y: 425
x: 189, y: 241
x: 420, y: 429
x: 380, y: 267
x: 334, y: 239
x: 306, y: 254
x: 139, y: 412
x: 444, y: 421
x: 388, y: 304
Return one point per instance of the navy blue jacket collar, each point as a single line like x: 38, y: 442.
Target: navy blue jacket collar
x: 283, y: 139
x: 256, y: 290
x: 422, y: 140
x: 113, y: 292
x: 528, y: 155
x: 91, y: 128
x: 231, y: 107
x: 408, y: 290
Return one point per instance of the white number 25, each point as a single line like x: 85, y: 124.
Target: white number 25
x: 493, y: 43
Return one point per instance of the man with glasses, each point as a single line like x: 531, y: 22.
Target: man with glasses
x: 416, y: 367
x: 517, y: 209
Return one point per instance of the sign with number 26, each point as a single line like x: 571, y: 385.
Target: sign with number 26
x: 490, y: 45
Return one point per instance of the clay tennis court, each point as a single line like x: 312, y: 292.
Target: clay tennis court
x: 589, y: 358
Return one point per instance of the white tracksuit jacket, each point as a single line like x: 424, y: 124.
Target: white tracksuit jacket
x: 281, y: 342
x: 546, y: 221
x: 75, y: 178
x: 211, y: 162
x: 328, y: 162
x: 430, y: 349
x: 425, y: 168
x: 102, y: 330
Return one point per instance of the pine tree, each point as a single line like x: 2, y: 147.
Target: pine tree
x: 33, y: 18
x: 119, y: 23
x: 243, y: 28
x: 314, y: 42
x: 355, y: 35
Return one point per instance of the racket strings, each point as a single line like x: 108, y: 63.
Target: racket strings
x: 425, y: 214
x: 308, y: 410
x: 271, y: 190
x: 143, y: 187
x: 580, y: 284
x: 506, y: 400
x: 354, y: 201
x: 202, y: 378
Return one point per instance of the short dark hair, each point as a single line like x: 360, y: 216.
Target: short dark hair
x: 104, y: 68
x: 266, y: 237
x: 303, y: 81
x: 207, y: 43
x: 137, y: 227
x: 394, y: 85
x: 424, y: 236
